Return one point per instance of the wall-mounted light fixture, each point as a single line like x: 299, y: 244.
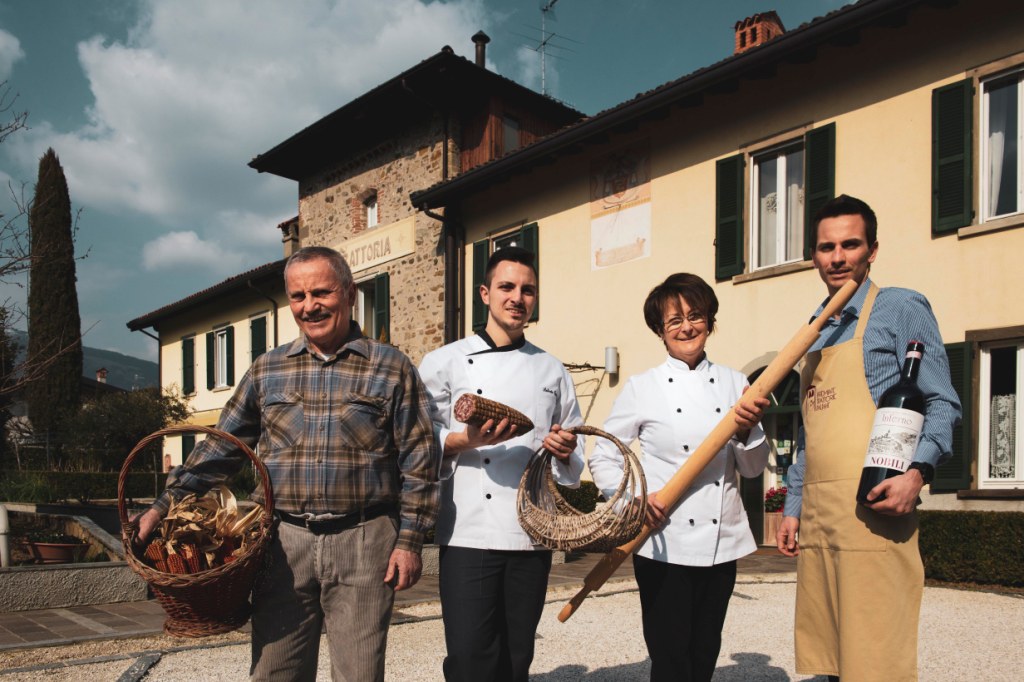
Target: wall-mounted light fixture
x: 611, y: 359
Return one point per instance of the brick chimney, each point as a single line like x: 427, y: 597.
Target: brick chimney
x: 101, y: 375
x: 480, y: 39
x: 757, y: 30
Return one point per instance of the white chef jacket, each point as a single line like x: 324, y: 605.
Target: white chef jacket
x: 479, y: 487
x: 672, y: 409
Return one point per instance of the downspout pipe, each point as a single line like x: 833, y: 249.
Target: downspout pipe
x: 451, y: 274
x: 5, y: 531
x: 273, y: 306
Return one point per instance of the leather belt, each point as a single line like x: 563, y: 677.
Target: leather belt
x: 338, y: 523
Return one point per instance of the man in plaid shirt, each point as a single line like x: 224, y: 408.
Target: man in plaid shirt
x: 342, y: 424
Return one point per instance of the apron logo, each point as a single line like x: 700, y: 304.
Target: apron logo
x: 818, y: 400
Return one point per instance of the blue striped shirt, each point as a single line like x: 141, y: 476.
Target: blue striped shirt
x: 898, y: 316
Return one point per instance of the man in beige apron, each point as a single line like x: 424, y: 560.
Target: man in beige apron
x: 860, y: 576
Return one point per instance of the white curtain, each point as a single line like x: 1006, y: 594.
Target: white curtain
x: 1001, y: 106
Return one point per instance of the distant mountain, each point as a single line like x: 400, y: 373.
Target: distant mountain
x: 123, y: 371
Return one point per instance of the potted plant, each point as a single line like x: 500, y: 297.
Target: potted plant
x: 54, y: 547
x: 774, y: 502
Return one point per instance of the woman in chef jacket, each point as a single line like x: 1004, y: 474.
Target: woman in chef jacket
x: 686, y: 569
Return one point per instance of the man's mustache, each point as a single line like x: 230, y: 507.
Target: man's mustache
x: 315, y: 317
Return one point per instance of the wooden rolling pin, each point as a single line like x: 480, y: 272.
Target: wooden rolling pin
x: 673, y: 491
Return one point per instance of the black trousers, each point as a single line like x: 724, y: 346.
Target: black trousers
x: 683, y: 613
x: 491, y: 602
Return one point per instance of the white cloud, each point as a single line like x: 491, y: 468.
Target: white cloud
x: 528, y: 71
x: 200, y: 88
x: 10, y: 52
x: 178, y: 250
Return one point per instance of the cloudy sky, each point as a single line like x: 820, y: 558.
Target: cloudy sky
x: 155, y: 107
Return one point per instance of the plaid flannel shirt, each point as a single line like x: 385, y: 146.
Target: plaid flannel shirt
x: 336, y: 434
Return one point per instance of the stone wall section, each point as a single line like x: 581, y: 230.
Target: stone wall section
x: 331, y: 211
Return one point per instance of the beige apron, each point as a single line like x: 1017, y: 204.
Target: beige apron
x: 859, y: 573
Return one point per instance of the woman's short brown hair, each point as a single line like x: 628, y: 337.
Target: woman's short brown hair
x: 692, y: 288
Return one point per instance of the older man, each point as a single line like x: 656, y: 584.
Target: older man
x: 343, y: 425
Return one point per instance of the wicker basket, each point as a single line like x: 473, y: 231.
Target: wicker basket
x: 209, y: 602
x: 551, y: 521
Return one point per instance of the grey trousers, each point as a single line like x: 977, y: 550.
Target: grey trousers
x: 337, y: 579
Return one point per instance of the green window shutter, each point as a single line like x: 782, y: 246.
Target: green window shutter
x: 382, y: 306
x: 952, y: 165
x: 819, y: 177
x: 211, y: 370
x: 955, y: 473
x: 230, y: 373
x: 481, y: 252
x: 729, y: 217
x: 257, y: 337
x: 188, y: 365
x: 188, y: 443
x: 528, y: 239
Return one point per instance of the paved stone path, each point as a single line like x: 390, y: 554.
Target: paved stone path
x: 54, y: 627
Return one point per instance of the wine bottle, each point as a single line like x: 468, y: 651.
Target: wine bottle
x: 896, y: 429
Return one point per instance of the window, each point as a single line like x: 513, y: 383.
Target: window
x: 188, y: 365
x: 371, y: 308
x: 188, y: 443
x: 777, y: 216
x: 524, y: 237
x: 789, y: 181
x: 370, y: 204
x: 1002, y: 163
x: 257, y: 337
x: 510, y: 134
x: 1001, y: 374
x: 220, y: 358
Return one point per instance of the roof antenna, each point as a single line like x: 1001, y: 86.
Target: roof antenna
x: 546, y: 7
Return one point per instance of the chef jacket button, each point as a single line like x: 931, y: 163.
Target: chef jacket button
x: 487, y: 461
x: 712, y: 380
x: 715, y: 521
x: 471, y: 361
x: 679, y: 409
x: 479, y: 391
x: 686, y: 447
x: 488, y: 496
x: 670, y: 380
x: 718, y: 409
x: 691, y: 522
x: 718, y: 483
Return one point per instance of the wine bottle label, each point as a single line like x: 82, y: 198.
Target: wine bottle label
x: 894, y: 437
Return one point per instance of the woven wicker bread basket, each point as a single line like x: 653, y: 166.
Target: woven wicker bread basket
x: 552, y: 522
x: 215, y: 600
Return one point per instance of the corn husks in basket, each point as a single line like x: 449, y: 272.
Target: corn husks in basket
x: 200, y: 533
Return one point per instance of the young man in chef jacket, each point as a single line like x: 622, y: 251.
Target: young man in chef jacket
x: 493, y: 579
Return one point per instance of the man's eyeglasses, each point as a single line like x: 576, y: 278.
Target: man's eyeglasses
x: 675, y: 323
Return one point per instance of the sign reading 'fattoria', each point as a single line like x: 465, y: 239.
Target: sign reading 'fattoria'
x: 380, y: 244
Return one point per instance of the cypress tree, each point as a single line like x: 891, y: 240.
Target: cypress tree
x: 54, y: 325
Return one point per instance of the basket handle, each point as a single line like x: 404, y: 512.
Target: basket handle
x: 629, y: 459
x: 122, y: 480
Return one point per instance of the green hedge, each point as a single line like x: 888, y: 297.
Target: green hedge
x: 973, y: 547
x: 56, y: 486
x: 583, y: 498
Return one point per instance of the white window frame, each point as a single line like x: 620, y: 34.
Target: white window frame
x: 984, y: 415
x: 777, y: 152
x: 985, y: 174
x: 364, y: 307
x: 372, y: 213
x: 220, y: 358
